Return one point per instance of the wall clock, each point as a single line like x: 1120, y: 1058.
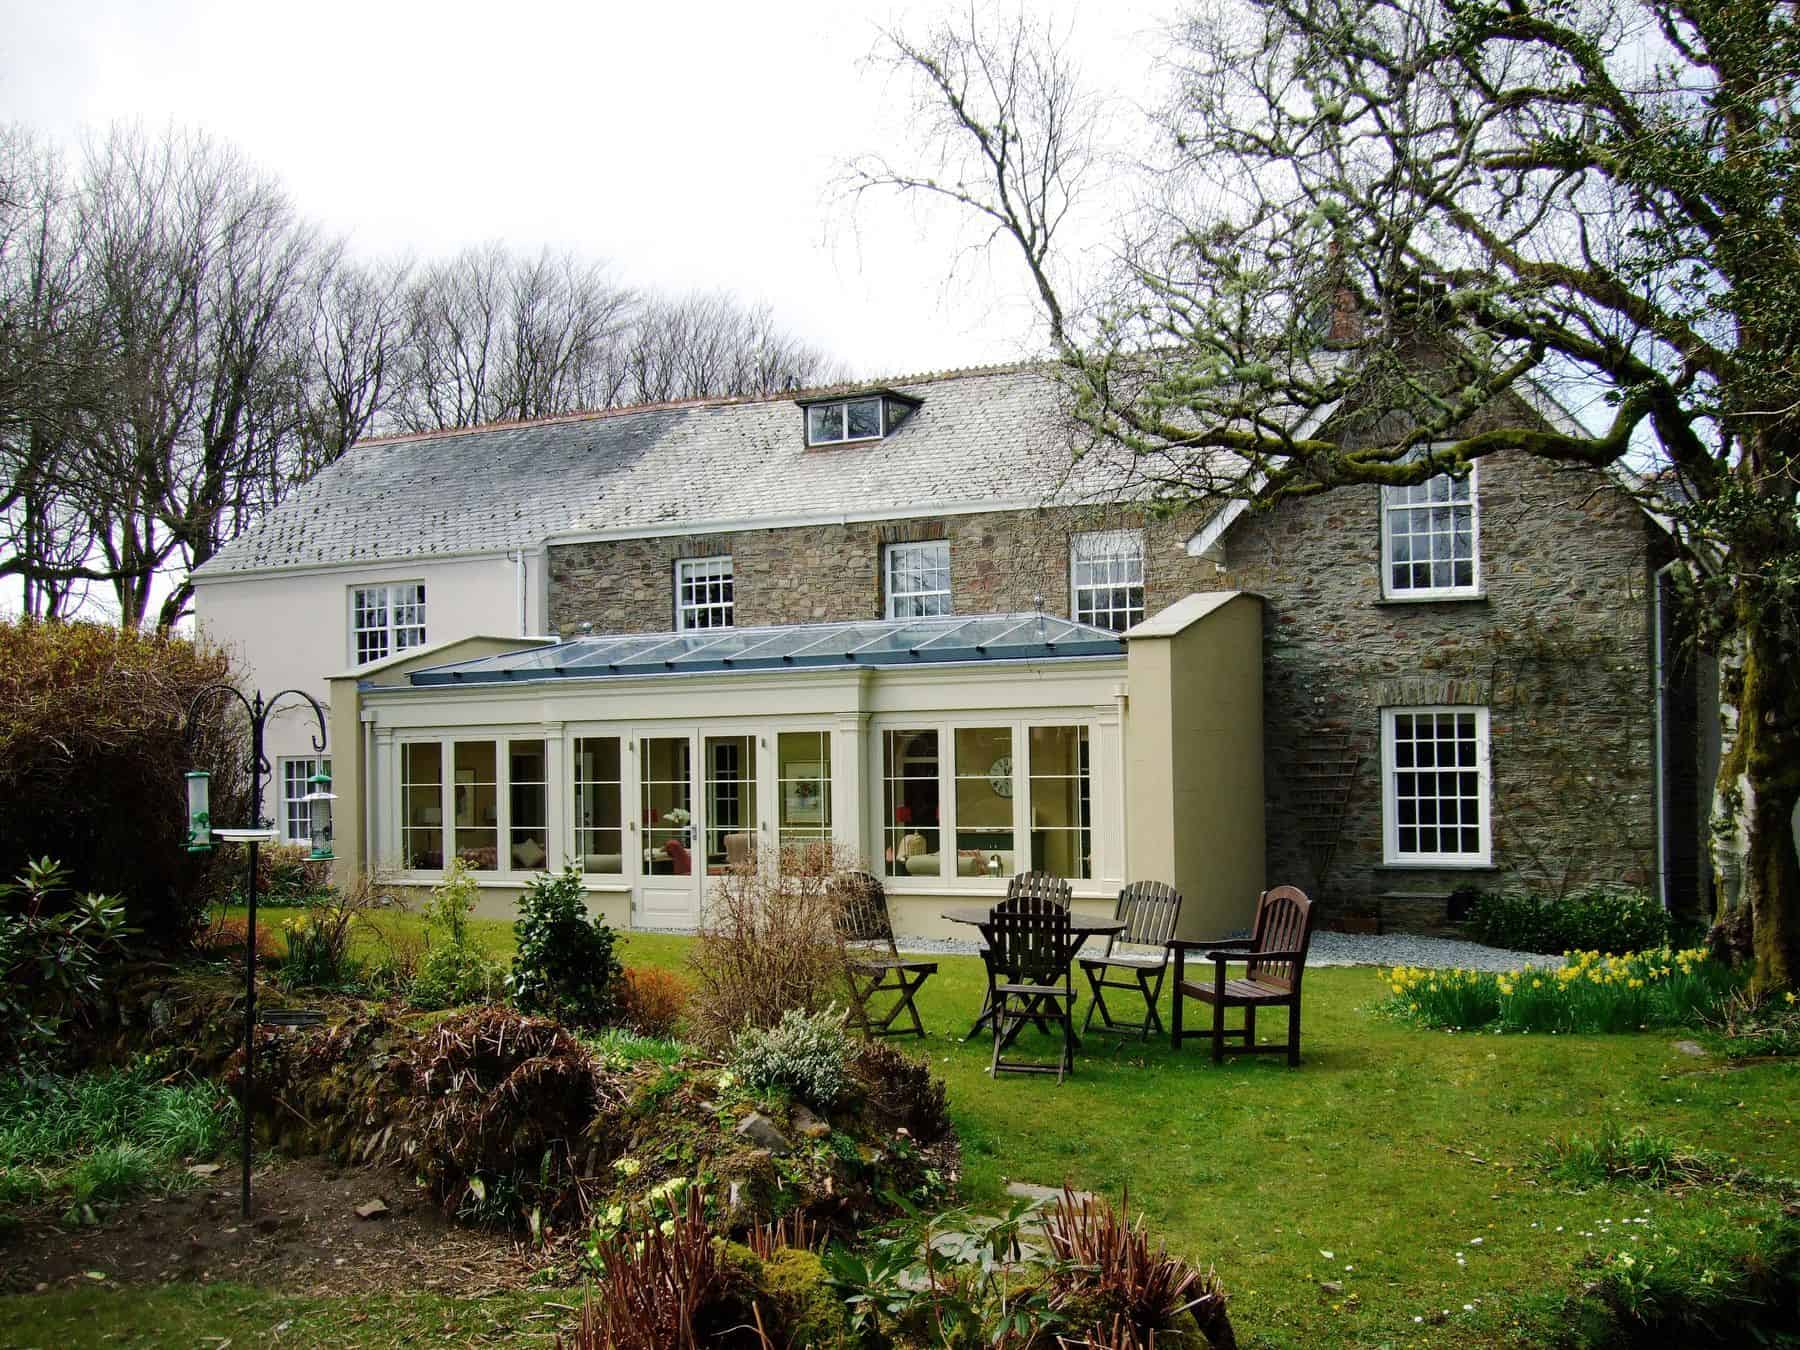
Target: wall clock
x: 1000, y: 776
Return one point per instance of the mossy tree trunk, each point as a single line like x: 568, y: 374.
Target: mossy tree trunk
x: 1755, y: 851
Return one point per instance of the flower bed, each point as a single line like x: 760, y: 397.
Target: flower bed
x: 1590, y: 992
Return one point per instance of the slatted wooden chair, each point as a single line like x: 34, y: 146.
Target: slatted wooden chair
x: 1045, y: 884
x: 1275, y: 961
x: 1149, y: 910
x: 1030, y: 975
x: 873, y: 964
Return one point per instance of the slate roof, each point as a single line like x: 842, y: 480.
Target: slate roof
x: 993, y: 437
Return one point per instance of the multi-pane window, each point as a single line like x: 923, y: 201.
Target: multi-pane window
x: 527, y: 795
x: 918, y: 579
x: 422, y: 805
x: 666, y: 790
x: 1061, y: 802
x: 1435, y: 771
x: 910, y: 798
x: 730, y: 801
x: 1106, y: 578
x: 296, y: 811
x: 803, y: 785
x: 386, y: 619
x: 704, y: 594
x: 1428, y: 538
x: 984, y: 808
x: 477, y: 805
x: 599, y: 806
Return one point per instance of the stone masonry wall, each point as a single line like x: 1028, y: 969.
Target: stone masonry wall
x: 1557, y: 648
x: 1000, y: 562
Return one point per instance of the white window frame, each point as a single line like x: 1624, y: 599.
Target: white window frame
x: 295, y: 770
x: 690, y: 572
x: 1390, y: 771
x: 396, y: 597
x: 1390, y: 507
x: 1105, y: 546
x: 842, y: 407
x: 893, y: 597
x: 948, y: 877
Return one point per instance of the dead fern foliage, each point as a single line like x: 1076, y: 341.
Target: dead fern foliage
x: 1101, y: 1259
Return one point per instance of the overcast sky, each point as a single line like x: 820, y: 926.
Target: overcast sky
x: 692, y: 144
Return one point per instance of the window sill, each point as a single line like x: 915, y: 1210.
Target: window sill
x: 1482, y: 866
x: 1447, y: 598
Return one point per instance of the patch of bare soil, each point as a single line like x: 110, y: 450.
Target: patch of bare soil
x: 304, y: 1236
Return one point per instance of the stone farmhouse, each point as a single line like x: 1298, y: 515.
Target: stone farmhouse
x: 657, y: 641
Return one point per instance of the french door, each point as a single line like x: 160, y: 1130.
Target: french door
x: 670, y: 855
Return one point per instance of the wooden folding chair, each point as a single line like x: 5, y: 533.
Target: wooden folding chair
x: 1275, y: 961
x: 873, y: 964
x: 1030, y: 953
x: 1149, y: 911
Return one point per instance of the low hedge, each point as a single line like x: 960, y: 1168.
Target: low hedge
x: 1610, y: 920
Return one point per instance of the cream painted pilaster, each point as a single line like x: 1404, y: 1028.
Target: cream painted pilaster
x: 851, y: 810
x: 557, y: 789
x: 384, y: 781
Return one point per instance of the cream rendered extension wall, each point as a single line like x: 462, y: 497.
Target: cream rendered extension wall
x: 1194, y: 757
x: 291, y: 629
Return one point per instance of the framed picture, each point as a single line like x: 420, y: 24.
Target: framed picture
x: 804, y: 795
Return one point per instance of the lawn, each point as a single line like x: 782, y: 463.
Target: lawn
x: 1387, y: 1192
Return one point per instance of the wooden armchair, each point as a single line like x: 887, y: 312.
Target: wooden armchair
x: 873, y: 964
x: 1275, y: 961
x: 1149, y: 911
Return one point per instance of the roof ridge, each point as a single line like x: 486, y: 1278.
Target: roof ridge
x: 705, y: 401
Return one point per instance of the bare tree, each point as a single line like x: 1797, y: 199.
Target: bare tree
x: 1005, y: 130
x: 353, y: 362
x: 494, y: 337
x: 710, y: 345
x: 1401, y: 210
x: 52, y: 385
x: 201, y: 266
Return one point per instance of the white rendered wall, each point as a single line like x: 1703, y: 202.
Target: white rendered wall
x: 291, y: 630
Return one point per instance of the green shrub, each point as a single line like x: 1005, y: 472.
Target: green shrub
x: 92, y: 754
x: 1588, y: 993
x: 454, y: 971
x: 564, y: 966
x: 804, y: 1054
x: 454, y: 977
x: 56, y: 951
x: 1609, y: 920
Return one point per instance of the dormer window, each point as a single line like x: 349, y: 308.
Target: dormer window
x: 868, y: 417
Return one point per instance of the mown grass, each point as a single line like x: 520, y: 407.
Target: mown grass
x: 1401, y: 1165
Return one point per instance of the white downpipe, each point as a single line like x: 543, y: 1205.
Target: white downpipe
x: 371, y: 778
x: 518, y: 557
x: 1659, y: 618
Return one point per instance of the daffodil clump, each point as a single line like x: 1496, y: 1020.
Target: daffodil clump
x: 1589, y: 992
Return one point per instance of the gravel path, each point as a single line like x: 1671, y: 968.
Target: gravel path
x: 1340, y: 949
x: 1328, y: 949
